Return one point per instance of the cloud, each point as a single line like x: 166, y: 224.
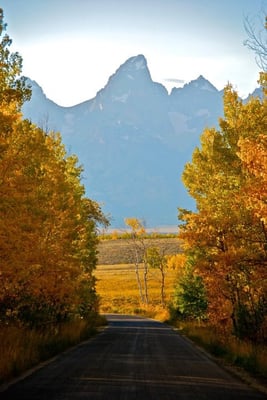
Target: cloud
x: 180, y: 81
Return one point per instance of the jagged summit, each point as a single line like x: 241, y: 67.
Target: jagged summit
x: 199, y: 84
x: 133, y: 139
x: 202, y: 84
x: 136, y: 62
x: 132, y: 72
x: 136, y: 65
x: 131, y: 80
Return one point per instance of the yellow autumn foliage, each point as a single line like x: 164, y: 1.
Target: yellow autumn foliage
x: 227, y: 233
x: 47, y: 225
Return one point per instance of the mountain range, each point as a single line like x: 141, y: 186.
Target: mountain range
x: 133, y: 140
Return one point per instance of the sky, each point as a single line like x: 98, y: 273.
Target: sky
x: 71, y: 47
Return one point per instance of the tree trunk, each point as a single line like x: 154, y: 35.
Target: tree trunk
x: 139, y: 284
x: 145, y: 282
x: 162, y: 289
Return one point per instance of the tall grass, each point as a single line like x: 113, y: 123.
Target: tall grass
x: 250, y: 356
x: 23, y: 348
x: 118, y: 290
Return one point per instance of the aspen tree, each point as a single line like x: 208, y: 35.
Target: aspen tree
x: 225, y: 234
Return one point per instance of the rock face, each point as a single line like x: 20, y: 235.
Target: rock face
x: 133, y: 140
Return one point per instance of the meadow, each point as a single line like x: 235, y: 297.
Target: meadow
x: 116, y: 278
x: 118, y: 291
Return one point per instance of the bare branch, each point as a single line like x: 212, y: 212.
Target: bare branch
x: 257, y: 41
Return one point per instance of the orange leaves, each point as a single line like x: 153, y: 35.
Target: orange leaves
x: 253, y: 153
x: 227, y: 234
x: 47, y: 226
x: 47, y: 229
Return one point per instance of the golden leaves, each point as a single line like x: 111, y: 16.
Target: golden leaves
x: 228, y: 179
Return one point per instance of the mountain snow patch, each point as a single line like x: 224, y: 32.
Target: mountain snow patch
x: 122, y: 99
x: 139, y: 63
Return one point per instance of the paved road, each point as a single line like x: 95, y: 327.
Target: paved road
x: 133, y: 358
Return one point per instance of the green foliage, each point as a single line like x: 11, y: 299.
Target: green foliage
x: 13, y: 88
x: 157, y: 260
x: 190, y: 299
x: 154, y: 258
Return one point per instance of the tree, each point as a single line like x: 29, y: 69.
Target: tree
x: 190, y: 299
x: 13, y: 89
x: 48, y: 228
x: 225, y: 235
x: 257, y: 42
x: 155, y: 260
x: 137, y: 232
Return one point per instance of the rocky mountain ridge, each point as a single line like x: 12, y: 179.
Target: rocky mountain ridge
x: 133, y: 139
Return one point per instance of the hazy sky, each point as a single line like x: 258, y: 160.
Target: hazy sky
x: 71, y: 47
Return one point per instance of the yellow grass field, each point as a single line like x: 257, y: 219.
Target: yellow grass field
x: 118, y: 290
x: 116, y: 278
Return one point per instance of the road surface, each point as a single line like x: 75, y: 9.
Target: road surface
x: 133, y: 358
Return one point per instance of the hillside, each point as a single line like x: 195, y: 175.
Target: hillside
x: 120, y: 251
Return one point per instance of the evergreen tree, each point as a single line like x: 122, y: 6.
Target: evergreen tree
x: 190, y: 299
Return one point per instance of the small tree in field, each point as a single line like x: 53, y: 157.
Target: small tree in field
x: 156, y: 260
x: 137, y: 232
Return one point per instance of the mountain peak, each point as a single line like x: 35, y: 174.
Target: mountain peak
x: 199, y: 84
x: 137, y: 62
x: 132, y: 138
x: 131, y: 77
x: 202, y: 84
x: 133, y: 67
